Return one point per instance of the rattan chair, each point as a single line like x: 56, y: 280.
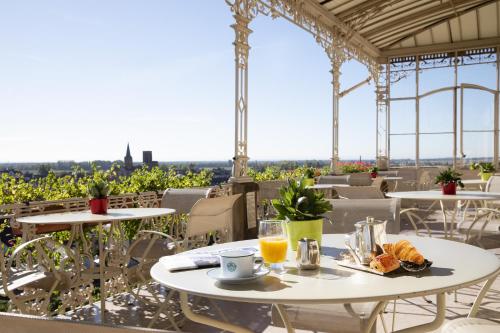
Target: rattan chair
x: 359, y: 192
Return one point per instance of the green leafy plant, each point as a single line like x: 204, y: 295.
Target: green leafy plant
x: 449, y: 176
x: 98, y: 189
x: 353, y: 167
x: 298, y: 203
x: 309, y: 173
x: 484, y: 167
x: 373, y: 168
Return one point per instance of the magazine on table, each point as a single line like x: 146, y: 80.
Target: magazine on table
x: 198, y: 259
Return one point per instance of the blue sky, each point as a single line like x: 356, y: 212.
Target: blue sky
x: 80, y: 79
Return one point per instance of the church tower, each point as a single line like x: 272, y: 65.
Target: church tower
x: 128, y: 160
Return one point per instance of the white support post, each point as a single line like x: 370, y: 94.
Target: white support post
x: 417, y: 113
x: 244, y: 12
x: 382, y: 116
x: 335, y: 107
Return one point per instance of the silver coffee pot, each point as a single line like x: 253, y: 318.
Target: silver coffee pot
x: 368, y: 239
x: 308, y: 254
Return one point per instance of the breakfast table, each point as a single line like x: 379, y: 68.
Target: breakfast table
x: 335, y: 284
x: 442, y: 199
x: 77, y: 219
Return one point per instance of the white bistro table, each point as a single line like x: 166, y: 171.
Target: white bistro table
x: 393, y: 179
x: 475, y: 182
x: 334, y: 284
x: 438, y: 196
x: 79, y: 218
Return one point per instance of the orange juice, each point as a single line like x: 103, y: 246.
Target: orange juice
x: 273, y: 249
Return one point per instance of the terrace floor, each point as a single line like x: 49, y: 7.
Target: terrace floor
x: 409, y: 312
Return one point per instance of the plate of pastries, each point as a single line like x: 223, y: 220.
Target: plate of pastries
x: 401, y: 254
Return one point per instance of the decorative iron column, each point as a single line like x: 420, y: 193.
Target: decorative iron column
x: 336, y: 63
x: 382, y: 79
x: 244, y: 11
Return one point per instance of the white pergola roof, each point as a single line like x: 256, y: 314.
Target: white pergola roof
x: 393, y: 28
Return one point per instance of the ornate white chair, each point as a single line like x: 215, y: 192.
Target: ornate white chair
x: 37, y: 269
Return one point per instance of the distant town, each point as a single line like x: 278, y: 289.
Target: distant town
x: 221, y: 169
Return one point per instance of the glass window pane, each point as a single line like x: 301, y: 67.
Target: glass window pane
x: 403, y: 117
x: 436, y: 149
x: 478, y: 108
x: 403, y: 86
x: 482, y: 74
x: 478, y: 146
x: 436, y: 112
x: 402, y: 150
x: 435, y: 78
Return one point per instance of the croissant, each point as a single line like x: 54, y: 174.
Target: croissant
x: 405, y: 251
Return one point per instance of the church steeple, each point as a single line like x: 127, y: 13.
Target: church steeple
x: 129, y: 165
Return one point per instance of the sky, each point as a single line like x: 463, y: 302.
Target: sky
x: 81, y: 79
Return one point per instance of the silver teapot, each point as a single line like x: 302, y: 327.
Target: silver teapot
x: 368, y: 239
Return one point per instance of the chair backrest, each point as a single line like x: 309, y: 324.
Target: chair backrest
x: 392, y: 173
x: 360, y: 179
x: 213, y: 214
x: 18, y: 323
x: 269, y: 190
x: 359, y: 192
x: 347, y: 212
x: 493, y: 184
x: 183, y: 199
x: 334, y: 179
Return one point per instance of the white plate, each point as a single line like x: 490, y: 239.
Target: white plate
x: 215, y: 273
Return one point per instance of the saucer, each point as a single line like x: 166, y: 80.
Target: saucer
x: 215, y: 273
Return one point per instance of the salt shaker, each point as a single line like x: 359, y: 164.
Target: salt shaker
x: 308, y: 256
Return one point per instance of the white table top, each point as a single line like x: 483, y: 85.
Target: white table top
x: 88, y: 217
x: 392, y: 178
x: 327, y: 186
x: 437, y: 195
x: 455, y: 265
x: 474, y: 181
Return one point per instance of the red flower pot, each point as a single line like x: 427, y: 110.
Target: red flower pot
x: 449, y: 189
x: 98, y: 206
x: 374, y: 174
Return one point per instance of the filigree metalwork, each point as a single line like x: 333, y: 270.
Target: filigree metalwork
x: 335, y: 108
x: 382, y: 92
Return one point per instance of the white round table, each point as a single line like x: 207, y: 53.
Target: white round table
x: 475, y: 182
x: 455, y: 265
x: 79, y: 218
x: 438, y: 196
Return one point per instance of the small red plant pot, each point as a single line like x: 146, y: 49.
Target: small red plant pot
x: 98, y: 206
x: 449, y: 189
x: 374, y: 174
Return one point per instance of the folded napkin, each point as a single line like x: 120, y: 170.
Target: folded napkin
x: 197, y: 260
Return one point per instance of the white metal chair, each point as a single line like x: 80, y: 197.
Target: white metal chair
x: 334, y: 179
x: 347, y: 212
x: 359, y: 192
x: 38, y: 268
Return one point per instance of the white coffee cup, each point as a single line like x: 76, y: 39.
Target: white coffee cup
x: 238, y: 264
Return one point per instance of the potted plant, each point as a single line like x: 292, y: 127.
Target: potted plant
x: 449, y: 179
x: 373, y: 170
x: 302, y: 208
x: 486, y: 169
x: 309, y: 177
x: 98, y: 191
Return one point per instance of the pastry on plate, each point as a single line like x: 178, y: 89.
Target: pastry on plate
x: 404, y: 251
x: 385, y: 263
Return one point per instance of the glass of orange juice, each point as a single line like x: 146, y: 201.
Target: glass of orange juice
x: 273, y: 244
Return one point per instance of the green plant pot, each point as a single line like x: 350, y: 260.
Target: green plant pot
x: 296, y: 230
x: 308, y: 181
x: 485, y: 176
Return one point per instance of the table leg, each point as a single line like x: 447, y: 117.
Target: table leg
x: 101, y: 272
x: 207, y: 320
x: 445, y: 219
x: 453, y: 219
x: 433, y: 325
x: 480, y: 296
x: 284, y: 316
